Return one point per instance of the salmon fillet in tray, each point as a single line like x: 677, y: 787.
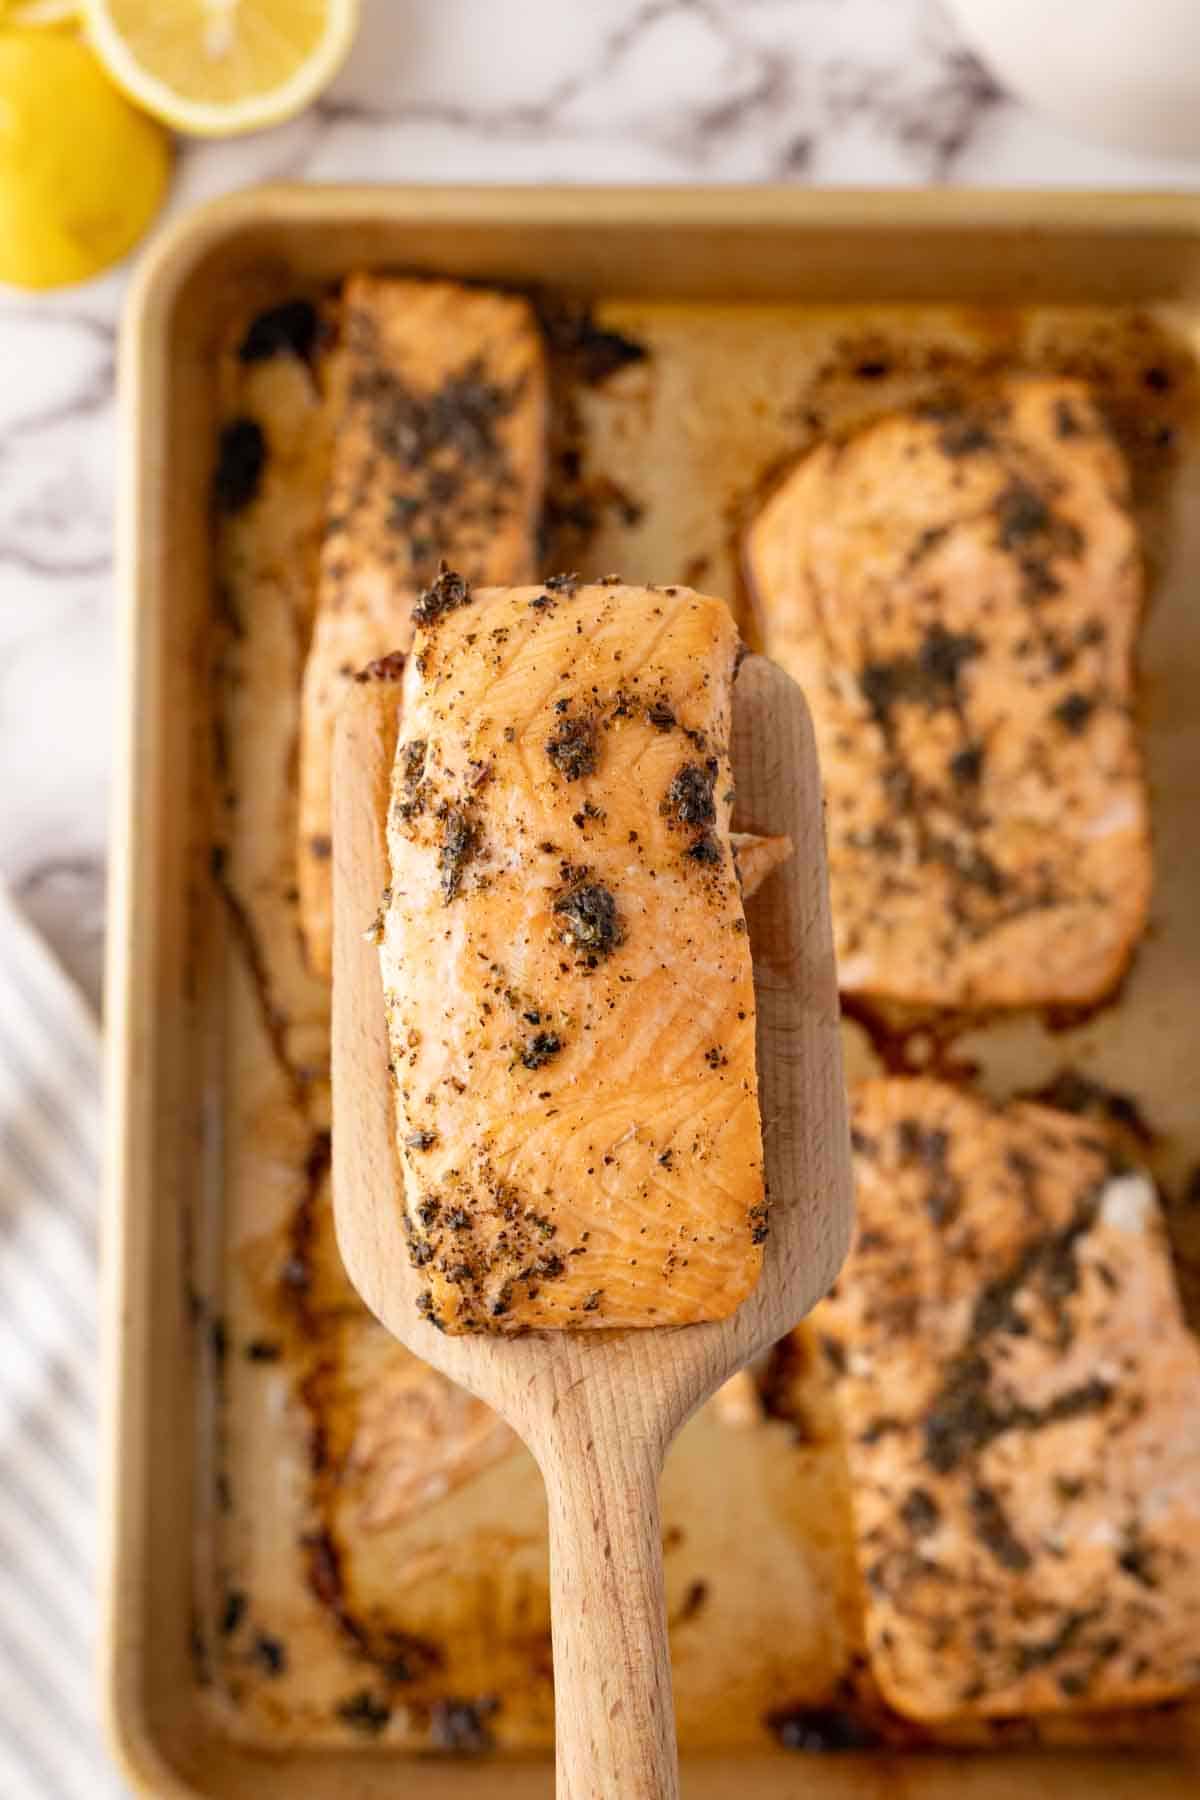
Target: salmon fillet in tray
x: 439, y: 451
x: 957, y: 589
x: 1021, y: 1402
x: 1012, y: 1387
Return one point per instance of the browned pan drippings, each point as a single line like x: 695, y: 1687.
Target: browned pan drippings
x: 418, y: 1616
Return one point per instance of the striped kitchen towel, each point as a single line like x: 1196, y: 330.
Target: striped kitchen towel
x: 50, y: 1743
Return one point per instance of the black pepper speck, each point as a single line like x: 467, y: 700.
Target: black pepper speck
x: 541, y: 1049
x: 1074, y: 712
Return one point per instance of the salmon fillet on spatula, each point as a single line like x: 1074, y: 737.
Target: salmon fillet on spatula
x: 571, y: 1066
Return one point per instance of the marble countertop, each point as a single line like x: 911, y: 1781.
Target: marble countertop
x: 869, y: 92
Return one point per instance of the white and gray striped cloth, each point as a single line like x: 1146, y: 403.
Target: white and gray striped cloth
x: 50, y: 1742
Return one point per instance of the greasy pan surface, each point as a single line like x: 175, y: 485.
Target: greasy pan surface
x: 318, y: 1622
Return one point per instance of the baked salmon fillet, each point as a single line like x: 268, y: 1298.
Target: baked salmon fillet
x: 957, y: 590
x: 1021, y: 1403
x: 565, y: 961
x: 439, y: 452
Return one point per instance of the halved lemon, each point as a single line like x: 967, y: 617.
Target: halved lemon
x: 218, y: 67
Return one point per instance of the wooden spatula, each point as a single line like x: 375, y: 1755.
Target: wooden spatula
x: 598, y: 1409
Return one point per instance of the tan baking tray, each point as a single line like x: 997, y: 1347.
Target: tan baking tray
x: 738, y: 292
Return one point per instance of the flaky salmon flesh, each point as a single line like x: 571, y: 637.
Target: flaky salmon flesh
x: 1020, y: 1396
x: 565, y: 961
x: 957, y: 590
x: 346, y: 646
x: 439, y: 405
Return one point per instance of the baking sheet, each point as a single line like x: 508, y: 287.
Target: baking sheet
x: 443, y: 1621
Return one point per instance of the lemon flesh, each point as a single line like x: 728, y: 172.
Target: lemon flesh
x: 39, y: 12
x: 216, y: 67
x: 82, y: 173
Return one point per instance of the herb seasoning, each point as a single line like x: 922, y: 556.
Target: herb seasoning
x: 542, y: 1048
x: 572, y: 749
x: 590, y: 918
x: 446, y: 592
x: 363, y: 1712
x: 690, y: 795
x: 459, y: 842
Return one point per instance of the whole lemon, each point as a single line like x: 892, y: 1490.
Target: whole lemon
x: 82, y: 172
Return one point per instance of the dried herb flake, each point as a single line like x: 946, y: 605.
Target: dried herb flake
x: 590, y: 918
x: 572, y: 749
x: 446, y: 592
x: 690, y: 795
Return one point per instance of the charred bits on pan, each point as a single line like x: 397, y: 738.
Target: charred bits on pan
x: 241, y: 459
x: 291, y: 328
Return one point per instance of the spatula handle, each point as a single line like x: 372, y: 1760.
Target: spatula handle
x: 615, y: 1715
